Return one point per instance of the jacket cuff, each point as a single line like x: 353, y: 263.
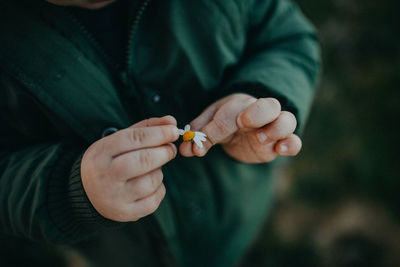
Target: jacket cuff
x: 68, y: 204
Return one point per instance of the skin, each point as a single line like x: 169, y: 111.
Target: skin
x: 250, y: 130
x: 122, y: 175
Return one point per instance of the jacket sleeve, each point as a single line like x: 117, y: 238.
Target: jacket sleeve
x: 41, y: 194
x: 282, y: 57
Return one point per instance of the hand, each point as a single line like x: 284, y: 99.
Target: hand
x: 250, y: 130
x: 121, y: 173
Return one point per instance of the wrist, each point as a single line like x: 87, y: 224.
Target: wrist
x: 68, y: 206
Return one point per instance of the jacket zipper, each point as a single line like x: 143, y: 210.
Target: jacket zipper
x: 93, y: 41
x: 126, y: 72
x: 131, y: 35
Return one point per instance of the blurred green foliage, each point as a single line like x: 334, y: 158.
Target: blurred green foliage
x: 351, y: 140
x: 350, y: 145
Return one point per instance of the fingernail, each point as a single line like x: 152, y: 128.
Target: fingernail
x: 284, y: 148
x: 262, y: 137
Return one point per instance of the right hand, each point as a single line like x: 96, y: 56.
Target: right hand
x: 121, y: 173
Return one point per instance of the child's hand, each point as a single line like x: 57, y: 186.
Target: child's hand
x: 250, y: 130
x: 121, y: 173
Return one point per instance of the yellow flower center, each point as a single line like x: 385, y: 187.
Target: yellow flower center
x: 188, y: 136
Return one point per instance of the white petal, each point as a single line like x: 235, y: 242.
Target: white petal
x: 200, y: 134
x: 181, y: 132
x: 202, y: 138
x: 187, y: 127
x: 198, y: 142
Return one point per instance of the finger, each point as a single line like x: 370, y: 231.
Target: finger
x: 138, y: 138
x: 260, y: 113
x: 140, y: 162
x: 150, y: 204
x: 143, y: 186
x: 166, y: 120
x: 289, y: 146
x: 207, y: 115
x: 279, y: 129
x: 185, y: 148
x: 223, y: 125
x: 188, y: 149
x: 265, y: 153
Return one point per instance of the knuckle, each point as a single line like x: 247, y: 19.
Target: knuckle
x: 152, y: 203
x: 161, y: 195
x: 99, y: 151
x: 156, y: 179
x: 152, y: 206
x: 145, y: 159
x: 221, y: 126
x: 148, y: 184
x: 247, y: 117
x: 159, y: 177
x: 137, y: 136
x: 147, y: 122
x: 171, y: 150
x: 156, y: 199
x: 137, y: 188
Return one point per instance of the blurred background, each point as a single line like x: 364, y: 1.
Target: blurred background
x: 339, y: 201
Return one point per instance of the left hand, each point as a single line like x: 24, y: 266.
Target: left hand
x: 250, y: 130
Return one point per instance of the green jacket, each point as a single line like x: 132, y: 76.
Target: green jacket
x: 59, y: 91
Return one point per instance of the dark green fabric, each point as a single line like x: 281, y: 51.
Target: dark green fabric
x: 109, y: 27
x: 59, y: 92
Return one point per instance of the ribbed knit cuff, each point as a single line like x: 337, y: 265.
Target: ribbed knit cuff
x: 68, y: 204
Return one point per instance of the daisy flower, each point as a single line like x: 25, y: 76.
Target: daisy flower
x: 188, y: 135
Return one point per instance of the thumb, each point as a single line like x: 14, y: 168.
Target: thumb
x: 188, y: 149
x: 207, y: 115
x: 221, y: 126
